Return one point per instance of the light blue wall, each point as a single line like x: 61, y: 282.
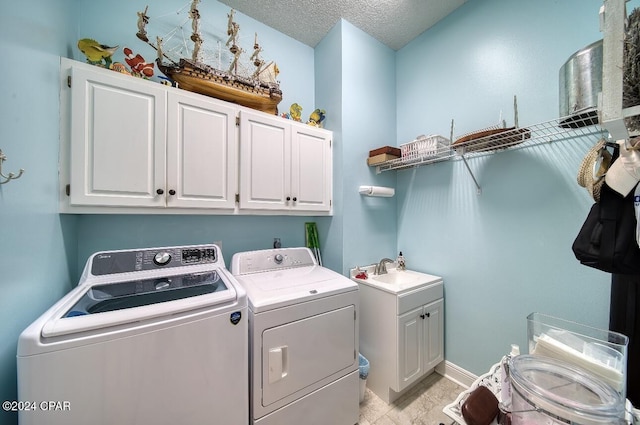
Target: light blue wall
x: 241, y: 233
x: 37, y: 246
x: 355, y: 74
x: 470, y: 65
x: 368, y: 109
x: 329, y: 82
x: 506, y: 252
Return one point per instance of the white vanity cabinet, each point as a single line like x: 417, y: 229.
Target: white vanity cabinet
x: 420, y: 345
x: 135, y: 144
x: 401, y: 333
x: 284, y: 165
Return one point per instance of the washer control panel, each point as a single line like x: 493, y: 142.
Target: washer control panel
x: 271, y: 260
x: 105, y: 263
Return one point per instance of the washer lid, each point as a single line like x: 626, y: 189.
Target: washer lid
x: 563, y: 390
x: 141, y: 292
x: 274, y: 289
x: 90, y: 307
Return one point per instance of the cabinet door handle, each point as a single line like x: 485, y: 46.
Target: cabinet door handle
x: 288, y: 198
x: 159, y: 191
x: 428, y: 314
x: 172, y: 192
x: 295, y: 199
x: 422, y: 316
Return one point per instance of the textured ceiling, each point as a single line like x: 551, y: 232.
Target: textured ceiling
x: 392, y: 22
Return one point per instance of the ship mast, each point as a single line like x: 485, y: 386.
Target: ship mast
x: 143, y: 20
x: 255, y: 57
x: 232, y: 32
x: 194, y: 14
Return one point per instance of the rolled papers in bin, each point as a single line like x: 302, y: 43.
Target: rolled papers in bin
x: 549, y: 346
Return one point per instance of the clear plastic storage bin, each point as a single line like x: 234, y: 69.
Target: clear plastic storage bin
x: 548, y: 391
x: 601, y: 352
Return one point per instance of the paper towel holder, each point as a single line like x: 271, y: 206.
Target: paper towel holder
x: 380, y: 191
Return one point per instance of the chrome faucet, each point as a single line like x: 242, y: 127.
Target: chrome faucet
x: 381, y: 268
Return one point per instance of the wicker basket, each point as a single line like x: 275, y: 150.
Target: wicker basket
x: 422, y: 147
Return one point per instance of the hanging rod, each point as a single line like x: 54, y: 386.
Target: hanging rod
x: 11, y: 176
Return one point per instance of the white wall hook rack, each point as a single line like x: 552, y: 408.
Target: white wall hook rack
x: 11, y: 176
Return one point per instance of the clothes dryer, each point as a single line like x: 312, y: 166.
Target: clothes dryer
x: 149, y: 336
x: 303, y: 339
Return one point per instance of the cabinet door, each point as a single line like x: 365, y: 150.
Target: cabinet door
x: 201, y: 153
x: 434, y: 334
x: 410, y: 348
x: 117, y: 139
x: 311, y: 169
x: 265, y: 162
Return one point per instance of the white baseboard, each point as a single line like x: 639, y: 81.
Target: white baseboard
x: 455, y: 373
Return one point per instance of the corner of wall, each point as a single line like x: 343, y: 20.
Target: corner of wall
x: 328, y: 94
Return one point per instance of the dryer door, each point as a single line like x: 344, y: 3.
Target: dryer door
x: 301, y: 353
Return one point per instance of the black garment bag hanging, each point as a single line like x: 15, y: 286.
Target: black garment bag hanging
x: 624, y: 317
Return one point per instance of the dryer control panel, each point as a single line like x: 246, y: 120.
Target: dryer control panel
x: 113, y: 262
x: 271, y: 260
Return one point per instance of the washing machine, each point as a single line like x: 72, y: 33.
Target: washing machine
x: 148, y: 336
x: 303, y: 339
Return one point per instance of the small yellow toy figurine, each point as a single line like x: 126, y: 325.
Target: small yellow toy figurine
x: 317, y: 117
x: 96, y: 53
x: 295, y: 111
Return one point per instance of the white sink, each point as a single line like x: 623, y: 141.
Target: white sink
x: 395, y: 280
x: 402, y: 277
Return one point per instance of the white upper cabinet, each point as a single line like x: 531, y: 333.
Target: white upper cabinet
x: 118, y: 140
x: 201, y: 153
x: 133, y: 146
x: 311, y: 168
x: 265, y: 162
x: 284, y: 165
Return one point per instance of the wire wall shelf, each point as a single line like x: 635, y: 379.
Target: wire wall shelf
x: 496, y: 140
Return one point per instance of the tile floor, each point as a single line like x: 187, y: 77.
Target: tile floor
x: 422, y: 405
